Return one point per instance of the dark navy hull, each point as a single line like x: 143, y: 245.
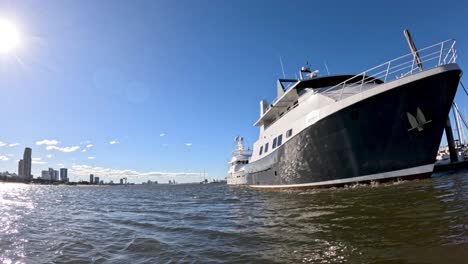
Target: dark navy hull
x: 369, y: 137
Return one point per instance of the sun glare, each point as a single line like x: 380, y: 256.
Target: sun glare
x: 9, y: 36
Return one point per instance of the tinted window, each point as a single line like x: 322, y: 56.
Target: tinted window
x: 261, y: 150
x: 274, y: 144
x: 289, y: 133
x: 266, y: 147
x: 280, y: 140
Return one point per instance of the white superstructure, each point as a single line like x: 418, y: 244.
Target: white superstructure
x: 240, y: 158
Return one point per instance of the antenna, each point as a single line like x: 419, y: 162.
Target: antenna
x: 413, y: 49
x: 326, y: 67
x: 282, y: 68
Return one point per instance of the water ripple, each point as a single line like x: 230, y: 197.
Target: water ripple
x: 418, y: 220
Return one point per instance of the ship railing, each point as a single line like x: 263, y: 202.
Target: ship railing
x: 429, y: 57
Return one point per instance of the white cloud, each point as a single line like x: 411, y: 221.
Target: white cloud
x: 162, y: 134
x: 47, y: 142
x: 49, y: 156
x: 84, y: 150
x: 3, y: 144
x: 38, y: 161
x: 64, y: 149
x: 85, y: 170
x: 113, y: 142
x: 60, y: 164
x: 91, y: 158
x: 4, y: 158
x: 188, y: 144
x: 89, y: 146
x: 85, y: 142
x: 13, y: 144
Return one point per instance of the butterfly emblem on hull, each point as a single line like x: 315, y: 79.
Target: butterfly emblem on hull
x: 418, y: 121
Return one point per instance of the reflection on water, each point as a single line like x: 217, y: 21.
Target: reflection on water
x: 409, y: 222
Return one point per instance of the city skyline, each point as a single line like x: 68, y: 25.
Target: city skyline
x: 142, y: 91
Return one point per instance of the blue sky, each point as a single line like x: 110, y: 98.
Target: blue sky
x: 173, y: 82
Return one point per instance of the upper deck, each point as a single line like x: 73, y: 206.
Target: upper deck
x: 290, y: 95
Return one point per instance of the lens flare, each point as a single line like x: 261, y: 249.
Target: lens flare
x: 9, y: 36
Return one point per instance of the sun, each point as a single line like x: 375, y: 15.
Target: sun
x: 9, y: 36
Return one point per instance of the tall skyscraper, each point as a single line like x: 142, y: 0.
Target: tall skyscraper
x: 96, y: 180
x: 21, y: 169
x: 27, y: 163
x: 64, y: 174
x: 91, y: 178
x: 56, y: 175
x: 51, y: 173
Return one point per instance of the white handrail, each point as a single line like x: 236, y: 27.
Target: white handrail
x: 431, y: 56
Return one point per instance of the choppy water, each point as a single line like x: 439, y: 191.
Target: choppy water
x: 410, y: 222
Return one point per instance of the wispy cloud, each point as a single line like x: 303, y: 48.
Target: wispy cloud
x: 113, y: 142
x: 3, y: 158
x: 188, y: 144
x: 60, y: 164
x: 63, y: 149
x: 162, y: 134
x: 49, y: 156
x: 84, y: 150
x: 47, y: 142
x: 2, y: 144
x: 91, y: 158
x: 89, y: 146
x: 37, y: 161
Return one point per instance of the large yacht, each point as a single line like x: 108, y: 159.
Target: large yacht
x: 383, y: 124
x: 240, y: 158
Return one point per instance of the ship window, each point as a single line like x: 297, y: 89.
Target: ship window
x: 266, y: 147
x: 261, y: 150
x: 280, y: 140
x: 274, y: 144
x: 289, y: 133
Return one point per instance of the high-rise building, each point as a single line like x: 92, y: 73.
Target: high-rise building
x: 121, y: 181
x: 51, y: 174
x: 27, y: 163
x: 91, y: 178
x: 45, y: 175
x: 56, y: 175
x: 63, y: 174
x: 20, y: 168
x: 96, y: 180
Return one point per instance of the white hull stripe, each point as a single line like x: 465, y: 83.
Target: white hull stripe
x: 372, y: 177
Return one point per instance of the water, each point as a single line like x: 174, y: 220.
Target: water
x: 409, y: 222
